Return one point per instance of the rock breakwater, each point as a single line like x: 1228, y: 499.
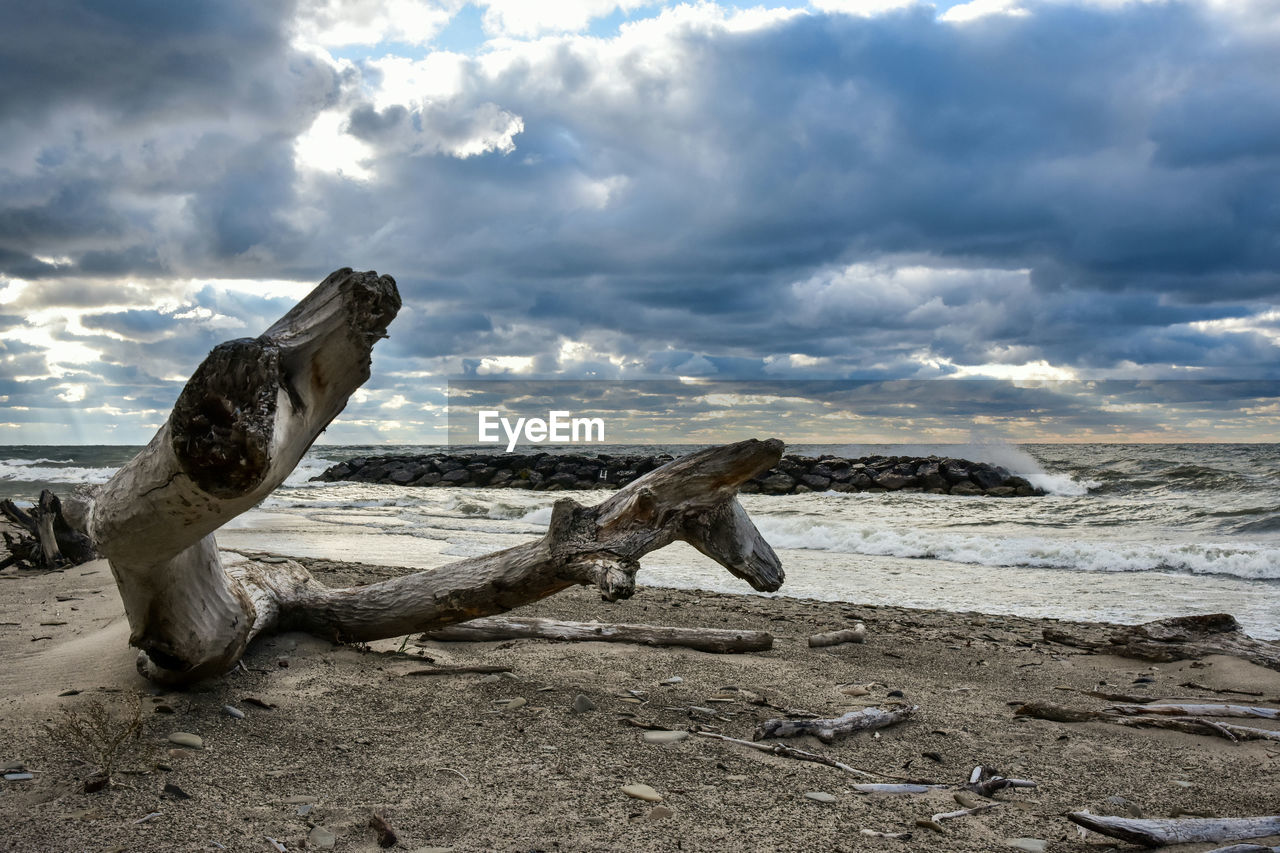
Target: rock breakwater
x: 793, y: 474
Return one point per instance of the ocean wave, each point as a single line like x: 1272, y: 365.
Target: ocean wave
x: 28, y: 471
x: 1254, y: 562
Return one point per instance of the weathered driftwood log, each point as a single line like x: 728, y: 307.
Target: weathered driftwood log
x: 1154, y: 833
x: 1190, y: 710
x: 50, y: 541
x: 1179, y: 638
x: 826, y: 731
x: 1191, y: 725
x: 243, y: 422
x: 520, y: 628
x: 856, y: 634
x: 1244, y: 848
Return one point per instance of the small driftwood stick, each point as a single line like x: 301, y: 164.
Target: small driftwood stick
x: 784, y: 751
x: 459, y: 670
x: 985, y: 807
x: 856, y: 634
x: 1170, y: 710
x: 896, y: 788
x: 512, y: 628
x: 875, y: 833
x: 985, y: 782
x: 826, y: 731
x: 1154, y: 833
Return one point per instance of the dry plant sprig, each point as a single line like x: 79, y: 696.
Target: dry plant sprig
x: 99, y: 735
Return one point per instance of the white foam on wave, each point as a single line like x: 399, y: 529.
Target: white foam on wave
x: 992, y: 451
x: 23, y: 470
x: 1253, y: 562
x: 1022, y: 463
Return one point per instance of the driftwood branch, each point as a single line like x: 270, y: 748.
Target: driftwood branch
x: 1190, y: 710
x: 826, y: 731
x: 856, y: 634
x: 1179, y: 638
x: 48, y: 540
x: 245, y: 419
x: 784, y: 751
x: 1155, y: 833
x: 1191, y: 725
x: 510, y: 628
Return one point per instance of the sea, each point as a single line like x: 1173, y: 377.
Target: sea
x: 1125, y: 532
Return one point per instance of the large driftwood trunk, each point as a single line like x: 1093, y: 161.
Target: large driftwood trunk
x: 243, y: 422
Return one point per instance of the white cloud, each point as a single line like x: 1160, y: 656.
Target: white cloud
x: 862, y: 8
x: 326, y: 147
x: 982, y: 8
x: 526, y: 18
x: 337, y: 23
x: 73, y: 393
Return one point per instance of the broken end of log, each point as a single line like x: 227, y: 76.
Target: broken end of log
x: 221, y: 426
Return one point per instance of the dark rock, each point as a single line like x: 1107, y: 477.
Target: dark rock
x: 893, y: 480
x: 966, y: 488
x: 455, y: 476
x: 777, y: 484
x: 986, y: 476
x: 816, y: 482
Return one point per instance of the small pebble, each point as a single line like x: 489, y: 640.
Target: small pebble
x: 305, y: 809
x: 174, y: 791
x: 642, y: 792
x: 660, y: 812
x: 187, y: 739
x: 233, y: 712
x: 18, y: 777
x: 582, y: 704
x: 491, y: 679
x: 925, y: 823
x: 820, y: 796
x: 1183, y: 783
x: 663, y: 737
x: 854, y: 690
x: 1030, y: 845
x: 594, y: 820
x: 513, y: 704
x: 321, y: 838
x: 967, y: 800
x: 897, y: 694
x: 675, y: 679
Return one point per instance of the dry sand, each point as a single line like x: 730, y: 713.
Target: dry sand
x: 353, y: 732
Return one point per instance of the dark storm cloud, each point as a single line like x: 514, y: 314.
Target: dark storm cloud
x: 145, y: 137
x: 1094, y: 148
x: 1087, y: 185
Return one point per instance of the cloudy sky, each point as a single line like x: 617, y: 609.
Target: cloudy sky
x: 833, y: 189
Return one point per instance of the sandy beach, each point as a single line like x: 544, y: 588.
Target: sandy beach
x: 452, y: 763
